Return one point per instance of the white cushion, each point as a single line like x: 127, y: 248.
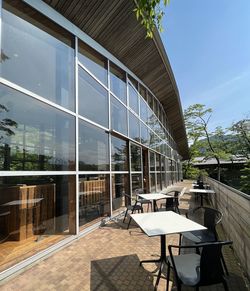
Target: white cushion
x: 188, y: 268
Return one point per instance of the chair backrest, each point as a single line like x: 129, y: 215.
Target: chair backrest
x: 139, y: 191
x: 207, y: 216
x: 211, y: 270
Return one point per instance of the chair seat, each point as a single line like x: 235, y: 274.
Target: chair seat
x: 134, y: 207
x: 188, y: 268
x: 199, y: 236
x: 144, y: 201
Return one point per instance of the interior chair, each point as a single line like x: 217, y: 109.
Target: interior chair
x: 133, y: 207
x: 197, y: 269
x: 210, y: 218
x: 143, y: 201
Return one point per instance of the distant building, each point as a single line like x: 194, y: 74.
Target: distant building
x: 230, y: 168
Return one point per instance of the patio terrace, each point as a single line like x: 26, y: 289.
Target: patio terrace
x: 108, y: 259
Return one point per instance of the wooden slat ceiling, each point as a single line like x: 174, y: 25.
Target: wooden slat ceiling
x: 113, y: 25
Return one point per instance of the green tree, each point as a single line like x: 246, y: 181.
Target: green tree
x: 150, y: 14
x: 197, y: 118
x: 245, y: 179
x: 241, y: 144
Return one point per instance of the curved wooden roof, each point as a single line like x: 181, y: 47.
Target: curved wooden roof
x: 113, y: 25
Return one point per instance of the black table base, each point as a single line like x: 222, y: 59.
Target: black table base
x: 162, y: 260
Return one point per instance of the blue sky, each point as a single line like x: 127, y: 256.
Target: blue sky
x: 208, y: 45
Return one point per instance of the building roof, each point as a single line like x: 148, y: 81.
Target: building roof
x: 113, y: 25
x: 202, y: 161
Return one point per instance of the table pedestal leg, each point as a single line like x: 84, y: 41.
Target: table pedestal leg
x: 162, y: 260
x: 201, y: 200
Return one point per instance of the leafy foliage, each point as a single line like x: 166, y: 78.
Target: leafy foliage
x: 150, y: 14
x: 197, y: 118
x: 245, y: 179
x: 6, y: 124
x: 241, y: 131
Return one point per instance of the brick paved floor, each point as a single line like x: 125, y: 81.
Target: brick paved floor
x: 108, y: 259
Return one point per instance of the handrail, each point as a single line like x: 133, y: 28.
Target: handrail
x: 238, y: 192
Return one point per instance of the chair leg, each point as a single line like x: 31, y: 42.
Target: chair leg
x: 159, y: 276
x: 148, y: 207
x: 179, y: 252
x: 178, y: 210
x: 168, y: 275
x: 224, y: 265
x: 129, y: 222
x: 224, y: 282
x: 125, y: 215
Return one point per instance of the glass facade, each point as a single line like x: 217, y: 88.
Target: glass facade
x: 92, y: 132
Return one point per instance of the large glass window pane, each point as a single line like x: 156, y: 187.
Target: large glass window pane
x: 143, y: 110
x: 134, y: 127
x: 94, y: 198
x: 158, y: 186
x: 158, y: 162
x: 133, y: 98
x: 118, y: 116
x: 94, y: 62
x: 119, y: 187
x: 144, y: 134
x: 152, y: 182
x: 119, y: 154
x: 35, y: 212
x: 40, y: 61
x: 118, y: 83
x: 152, y: 161
x: 151, y: 101
x: 136, y: 182
x: 143, y: 92
x: 33, y: 135
x: 135, y: 158
x: 93, y: 148
x: 93, y: 99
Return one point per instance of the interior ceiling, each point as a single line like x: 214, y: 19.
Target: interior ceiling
x: 113, y: 25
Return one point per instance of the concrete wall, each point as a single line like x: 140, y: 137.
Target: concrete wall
x: 235, y: 206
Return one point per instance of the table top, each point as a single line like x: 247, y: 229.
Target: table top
x: 202, y: 191
x: 20, y: 202
x: 154, y: 196
x: 165, y: 222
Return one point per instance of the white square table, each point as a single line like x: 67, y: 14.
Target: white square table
x: 154, y: 197
x: 162, y: 224
x: 201, y: 192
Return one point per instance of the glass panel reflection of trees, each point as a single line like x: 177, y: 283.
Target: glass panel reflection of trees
x: 135, y: 158
x: 134, y: 127
x: 94, y: 197
x: 119, y: 154
x: 33, y: 135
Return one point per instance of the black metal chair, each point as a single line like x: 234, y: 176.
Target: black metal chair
x: 195, y: 269
x: 136, y: 206
x: 173, y: 203
x: 210, y: 218
x: 143, y: 201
